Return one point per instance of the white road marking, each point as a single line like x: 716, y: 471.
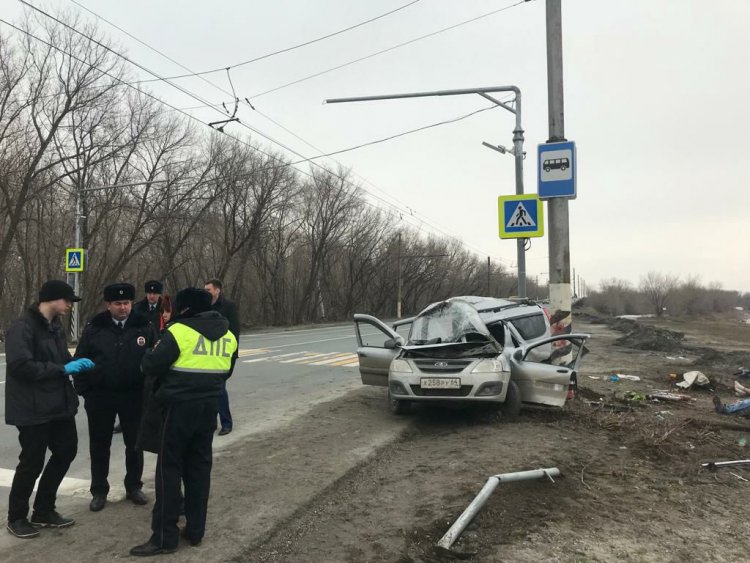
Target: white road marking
x: 310, y: 357
x: 293, y: 332
x: 339, y: 357
x: 273, y: 357
x: 69, y: 485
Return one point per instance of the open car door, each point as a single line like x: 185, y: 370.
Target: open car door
x: 545, y: 384
x: 377, y: 346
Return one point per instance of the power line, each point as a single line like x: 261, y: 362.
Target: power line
x: 187, y: 92
x: 280, y: 51
x: 383, y: 51
x: 371, y: 55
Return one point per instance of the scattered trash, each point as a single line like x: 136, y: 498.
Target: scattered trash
x: 634, y: 396
x: 623, y: 448
x: 628, y: 377
x: 667, y: 396
x: 742, y: 442
x: 594, y: 377
x: 739, y: 477
x: 740, y: 390
x: 693, y: 378
x: 714, y: 465
x: 614, y: 378
x: 660, y: 418
x: 680, y: 359
x: 742, y: 372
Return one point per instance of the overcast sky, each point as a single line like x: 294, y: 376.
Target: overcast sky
x: 657, y: 99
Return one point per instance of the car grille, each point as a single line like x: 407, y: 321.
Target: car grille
x: 442, y: 366
x: 462, y: 392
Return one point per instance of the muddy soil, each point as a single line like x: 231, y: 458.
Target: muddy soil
x: 349, y: 482
x: 633, y: 488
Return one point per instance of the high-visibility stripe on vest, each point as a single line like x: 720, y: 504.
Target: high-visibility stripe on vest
x: 201, y: 355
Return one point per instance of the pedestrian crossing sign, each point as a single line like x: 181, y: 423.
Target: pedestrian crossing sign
x: 520, y: 216
x: 74, y: 259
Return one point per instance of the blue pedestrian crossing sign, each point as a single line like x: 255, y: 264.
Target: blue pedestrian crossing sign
x: 74, y: 259
x: 520, y: 216
x: 556, y: 168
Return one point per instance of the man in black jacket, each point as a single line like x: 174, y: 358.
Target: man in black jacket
x: 115, y: 340
x: 228, y: 310
x: 149, y: 306
x: 191, y: 363
x: 41, y: 402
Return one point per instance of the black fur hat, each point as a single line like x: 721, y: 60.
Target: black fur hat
x: 194, y: 299
x: 119, y: 292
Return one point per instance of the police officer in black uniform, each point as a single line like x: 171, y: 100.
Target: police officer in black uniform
x: 116, y: 341
x: 191, y: 363
x: 150, y: 305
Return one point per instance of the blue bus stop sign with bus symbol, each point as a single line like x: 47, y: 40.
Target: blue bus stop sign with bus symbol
x: 520, y: 216
x: 557, y: 170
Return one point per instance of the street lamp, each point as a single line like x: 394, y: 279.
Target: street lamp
x: 517, y: 142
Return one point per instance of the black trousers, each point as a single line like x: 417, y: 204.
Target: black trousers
x: 185, y: 456
x: 101, y: 413
x: 61, y: 437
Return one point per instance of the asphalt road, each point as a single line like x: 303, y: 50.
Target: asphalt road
x: 278, y: 376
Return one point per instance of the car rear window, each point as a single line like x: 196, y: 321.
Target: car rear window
x: 532, y: 326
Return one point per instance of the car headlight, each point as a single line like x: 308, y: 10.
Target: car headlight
x: 400, y: 366
x: 489, y: 365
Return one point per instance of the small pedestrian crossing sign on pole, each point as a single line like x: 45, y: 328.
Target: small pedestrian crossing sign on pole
x: 520, y: 216
x: 74, y: 259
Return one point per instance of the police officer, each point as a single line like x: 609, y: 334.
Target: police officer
x: 41, y: 402
x: 191, y: 363
x: 151, y: 304
x: 115, y: 340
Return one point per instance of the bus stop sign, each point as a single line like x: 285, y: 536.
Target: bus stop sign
x: 556, y: 170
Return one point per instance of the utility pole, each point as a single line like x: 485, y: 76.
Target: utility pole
x: 517, y: 143
x: 488, y: 276
x: 557, y: 208
x: 398, y: 266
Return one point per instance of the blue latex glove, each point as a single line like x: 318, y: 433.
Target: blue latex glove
x: 79, y: 365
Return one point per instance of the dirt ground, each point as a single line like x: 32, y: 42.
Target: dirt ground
x: 350, y: 482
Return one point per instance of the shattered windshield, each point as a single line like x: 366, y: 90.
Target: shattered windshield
x: 448, y: 322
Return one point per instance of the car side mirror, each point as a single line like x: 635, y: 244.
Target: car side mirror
x: 392, y: 344
x: 518, y: 354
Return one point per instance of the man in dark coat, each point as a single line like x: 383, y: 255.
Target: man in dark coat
x: 228, y: 310
x: 115, y: 340
x: 191, y: 362
x: 41, y: 402
x: 150, y: 305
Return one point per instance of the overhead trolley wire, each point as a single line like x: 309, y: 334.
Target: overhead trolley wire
x: 268, y: 55
x: 399, y: 210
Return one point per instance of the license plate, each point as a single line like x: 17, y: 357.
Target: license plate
x: 440, y: 383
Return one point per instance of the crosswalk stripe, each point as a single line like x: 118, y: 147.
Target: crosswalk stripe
x: 349, y: 362
x: 252, y: 352
x: 336, y: 358
x: 310, y: 356
x: 273, y: 357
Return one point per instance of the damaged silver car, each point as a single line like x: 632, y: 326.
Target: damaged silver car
x: 451, y: 356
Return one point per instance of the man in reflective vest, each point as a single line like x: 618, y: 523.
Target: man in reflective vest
x: 191, y: 363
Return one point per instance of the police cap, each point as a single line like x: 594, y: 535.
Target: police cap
x: 119, y: 292
x: 153, y: 286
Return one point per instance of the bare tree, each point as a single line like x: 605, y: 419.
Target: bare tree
x: 658, y: 288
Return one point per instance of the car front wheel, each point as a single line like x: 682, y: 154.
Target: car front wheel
x: 511, y: 408
x: 398, y: 406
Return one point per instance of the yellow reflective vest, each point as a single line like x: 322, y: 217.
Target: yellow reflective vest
x: 200, y: 355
